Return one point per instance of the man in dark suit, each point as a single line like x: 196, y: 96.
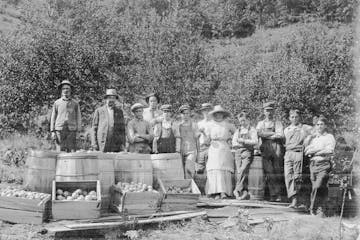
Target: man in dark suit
x: 108, y: 126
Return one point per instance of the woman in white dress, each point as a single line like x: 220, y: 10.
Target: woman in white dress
x: 220, y: 163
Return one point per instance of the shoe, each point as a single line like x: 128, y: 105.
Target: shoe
x: 293, y: 203
x: 223, y: 196
x: 275, y: 199
x: 312, y: 213
x: 320, y: 212
x: 236, y: 194
x: 217, y: 197
x: 245, y: 196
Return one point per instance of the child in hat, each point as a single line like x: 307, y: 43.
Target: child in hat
x: 164, y: 137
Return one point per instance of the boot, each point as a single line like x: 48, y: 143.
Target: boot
x: 293, y: 203
x: 245, y: 196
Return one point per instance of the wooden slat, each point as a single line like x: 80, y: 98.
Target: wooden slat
x: 20, y: 216
x: 147, y: 221
x: 21, y: 204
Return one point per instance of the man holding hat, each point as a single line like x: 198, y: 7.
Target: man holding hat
x: 203, y: 141
x: 65, y: 119
x: 271, y: 133
x: 140, y: 133
x: 108, y: 125
x: 152, y: 113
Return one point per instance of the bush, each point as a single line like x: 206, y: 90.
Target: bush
x: 303, y: 66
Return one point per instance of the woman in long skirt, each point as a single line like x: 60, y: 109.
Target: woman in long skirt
x: 220, y: 163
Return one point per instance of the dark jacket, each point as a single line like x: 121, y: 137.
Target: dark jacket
x: 101, y: 139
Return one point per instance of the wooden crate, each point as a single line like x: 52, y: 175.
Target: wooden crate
x: 70, y: 209
x: 179, y: 201
x: 134, y: 203
x: 23, y: 210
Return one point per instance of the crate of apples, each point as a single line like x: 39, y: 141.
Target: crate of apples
x: 134, y: 187
x: 77, y: 195
x: 21, y: 193
x: 178, y: 190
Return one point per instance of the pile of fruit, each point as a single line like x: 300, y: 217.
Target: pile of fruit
x: 77, y: 195
x: 173, y: 189
x: 17, y: 192
x: 134, y: 187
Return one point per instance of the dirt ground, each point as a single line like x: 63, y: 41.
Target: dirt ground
x: 299, y: 227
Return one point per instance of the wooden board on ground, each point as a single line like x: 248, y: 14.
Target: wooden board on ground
x: 71, y: 209
x: 103, y: 225
x: 245, y: 204
x: 22, y: 210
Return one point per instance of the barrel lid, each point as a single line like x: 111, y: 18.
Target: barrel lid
x: 162, y: 156
x: 80, y: 155
x: 42, y: 154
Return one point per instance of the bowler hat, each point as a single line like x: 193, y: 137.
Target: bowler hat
x: 165, y: 107
x: 220, y: 109
x: 206, y: 106
x: 269, y: 105
x: 65, y: 82
x: 184, y: 107
x: 152, y: 95
x: 111, y: 92
x: 136, y: 106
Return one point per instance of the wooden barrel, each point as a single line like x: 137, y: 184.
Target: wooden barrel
x: 256, y: 179
x: 77, y: 166
x: 40, y: 171
x: 133, y: 167
x: 167, y: 166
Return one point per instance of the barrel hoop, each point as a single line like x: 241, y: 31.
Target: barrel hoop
x: 77, y: 175
x: 42, y: 169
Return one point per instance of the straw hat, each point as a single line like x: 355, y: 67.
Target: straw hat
x: 220, y: 109
x: 65, y: 82
x: 269, y: 105
x: 111, y: 92
x: 136, y: 106
x: 206, y: 106
x: 166, y: 107
x: 184, y: 107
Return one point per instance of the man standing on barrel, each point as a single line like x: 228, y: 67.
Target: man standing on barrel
x: 271, y: 133
x: 108, y: 125
x: 295, y: 135
x: 65, y: 119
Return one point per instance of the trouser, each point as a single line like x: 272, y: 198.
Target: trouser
x: 141, y: 147
x: 111, y: 146
x: 65, y: 140
x: 272, y: 161
x: 319, y: 176
x: 243, y: 160
x: 189, y: 161
x: 203, y: 157
x: 293, y: 172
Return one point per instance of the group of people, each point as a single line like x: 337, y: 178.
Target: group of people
x: 205, y: 146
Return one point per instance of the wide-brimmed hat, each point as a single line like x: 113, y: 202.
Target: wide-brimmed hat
x: 147, y: 97
x: 166, y: 107
x: 206, y: 106
x: 65, y: 82
x: 220, y: 109
x: 184, y: 107
x: 136, y: 106
x: 111, y: 92
x: 269, y: 105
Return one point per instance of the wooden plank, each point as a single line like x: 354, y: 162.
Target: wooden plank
x: 126, y: 223
x: 20, y: 216
x: 21, y: 204
x: 239, y: 204
x: 153, y: 215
